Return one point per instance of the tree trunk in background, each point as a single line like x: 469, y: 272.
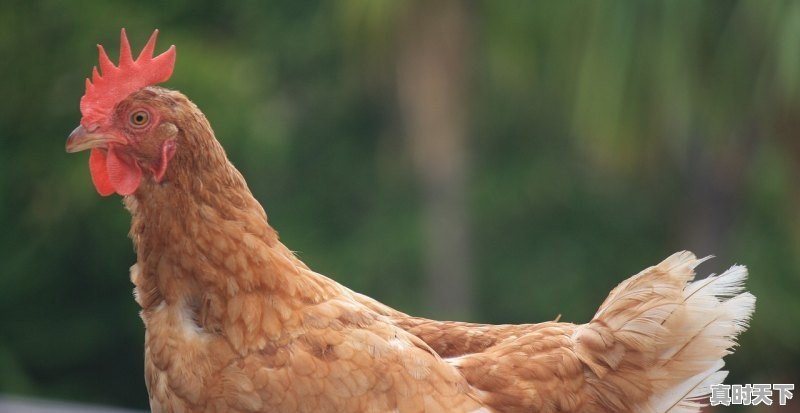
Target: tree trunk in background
x: 431, y: 77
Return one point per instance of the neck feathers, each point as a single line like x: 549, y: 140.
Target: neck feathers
x: 201, y: 232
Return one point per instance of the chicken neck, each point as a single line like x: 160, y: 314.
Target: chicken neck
x: 203, y: 240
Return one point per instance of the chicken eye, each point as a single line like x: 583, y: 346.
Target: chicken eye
x: 139, y: 119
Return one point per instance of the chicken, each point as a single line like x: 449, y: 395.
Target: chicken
x: 235, y: 322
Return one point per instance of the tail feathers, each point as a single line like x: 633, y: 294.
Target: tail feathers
x: 688, y: 396
x: 667, y: 335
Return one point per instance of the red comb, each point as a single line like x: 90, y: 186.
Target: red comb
x: 104, y: 91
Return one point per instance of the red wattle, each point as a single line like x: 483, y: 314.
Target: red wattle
x: 97, y: 167
x: 124, y: 173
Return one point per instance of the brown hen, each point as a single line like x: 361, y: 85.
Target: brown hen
x: 237, y: 323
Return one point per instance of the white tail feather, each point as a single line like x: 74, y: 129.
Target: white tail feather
x: 660, y: 327
x: 716, y: 311
x: 688, y: 396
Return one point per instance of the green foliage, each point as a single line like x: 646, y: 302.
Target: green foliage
x: 603, y: 137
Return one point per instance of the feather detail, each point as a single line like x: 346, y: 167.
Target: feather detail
x: 668, y: 332
x: 688, y: 396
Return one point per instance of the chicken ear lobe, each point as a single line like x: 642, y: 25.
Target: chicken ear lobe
x: 167, y: 152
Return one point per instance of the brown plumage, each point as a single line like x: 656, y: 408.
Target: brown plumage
x: 237, y: 323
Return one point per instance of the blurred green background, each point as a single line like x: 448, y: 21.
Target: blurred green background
x: 491, y: 161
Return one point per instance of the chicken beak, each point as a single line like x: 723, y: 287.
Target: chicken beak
x: 81, y: 139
